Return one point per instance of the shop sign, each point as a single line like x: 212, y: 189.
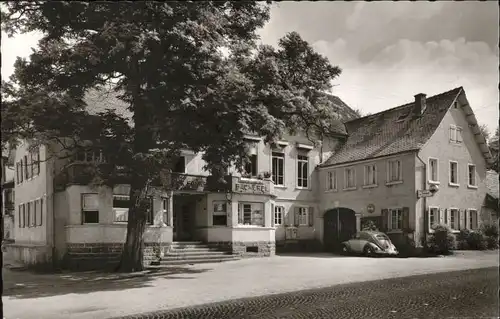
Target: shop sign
x: 250, y: 188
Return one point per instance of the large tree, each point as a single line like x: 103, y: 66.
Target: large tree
x: 191, y: 74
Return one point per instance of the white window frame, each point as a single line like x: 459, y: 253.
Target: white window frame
x: 331, y: 181
x: 241, y: 207
x: 347, y: 186
x: 219, y: 213
x: 430, y: 177
x: 120, y: 209
x: 456, y: 221
x: 455, y: 135
x: 367, y: 182
x: 303, y: 216
x: 437, y: 218
x: 279, y: 214
x: 390, y: 211
x: 278, y: 158
x: 92, y: 209
x: 389, y: 172
x: 449, y: 174
x: 469, y: 185
x: 469, y: 221
x: 300, y: 180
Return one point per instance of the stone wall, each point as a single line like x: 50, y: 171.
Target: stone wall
x: 247, y: 249
x: 103, y: 256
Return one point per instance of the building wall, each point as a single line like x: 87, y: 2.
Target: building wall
x: 382, y: 195
x: 439, y: 146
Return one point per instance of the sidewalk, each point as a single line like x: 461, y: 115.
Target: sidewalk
x: 93, y: 295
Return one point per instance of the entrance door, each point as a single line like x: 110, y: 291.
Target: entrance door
x: 183, y: 217
x: 339, y: 225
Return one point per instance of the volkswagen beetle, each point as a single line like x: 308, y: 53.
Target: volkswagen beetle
x: 369, y: 243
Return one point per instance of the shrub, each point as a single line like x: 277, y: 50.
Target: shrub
x: 490, y: 231
x: 477, y: 240
x: 442, y: 240
x: 369, y: 225
x: 462, y: 239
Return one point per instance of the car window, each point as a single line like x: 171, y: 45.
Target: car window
x: 365, y: 236
x: 356, y: 236
x: 382, y: 237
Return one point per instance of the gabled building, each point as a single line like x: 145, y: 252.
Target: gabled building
x: 406, y: 169
x: 61, y: 219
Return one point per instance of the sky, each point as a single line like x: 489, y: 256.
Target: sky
x: 388, y: 51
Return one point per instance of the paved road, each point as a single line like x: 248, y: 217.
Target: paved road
x: 459, y: 294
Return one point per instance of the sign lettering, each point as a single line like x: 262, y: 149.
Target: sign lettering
x: 250, y: 188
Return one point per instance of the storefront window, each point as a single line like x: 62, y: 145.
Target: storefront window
x: 251, y: 214
x: 219, y: 216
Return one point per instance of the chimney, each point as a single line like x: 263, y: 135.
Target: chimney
x: 420, y: 104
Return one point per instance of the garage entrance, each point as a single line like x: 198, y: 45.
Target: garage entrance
x: 339, y: 225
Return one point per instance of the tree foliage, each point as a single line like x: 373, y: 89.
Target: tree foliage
x: 166, y: 62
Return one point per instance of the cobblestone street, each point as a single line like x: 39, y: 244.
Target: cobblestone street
x: 464, y: 294
x: 96, y: 295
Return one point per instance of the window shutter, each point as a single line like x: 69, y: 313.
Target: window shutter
x: 427, y: 227
x: 311, y: 216
x: 461, y: 218
x: 385, y: 219
x: 290, y: 217
x: 273, y: 215
x: 297, y: 216
x: 441, y: 216
x: 447, y: 215
x: 467, y: 224
x: 451, y: 133
x: 240, y: 214
x: 406, y: 217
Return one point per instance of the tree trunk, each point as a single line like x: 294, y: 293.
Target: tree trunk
x: 133, y: 250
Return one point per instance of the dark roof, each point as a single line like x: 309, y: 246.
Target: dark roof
x: 106, y: 98
x: 492, y: 187
x: 392, y: 131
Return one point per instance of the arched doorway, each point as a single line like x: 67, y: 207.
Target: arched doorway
x: 339, y: 224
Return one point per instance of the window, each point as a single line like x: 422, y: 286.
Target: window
x: 21, y: 171
x: 434, y: 217
x: 453, y: 173
x: 35, y: 162
x: 303, y: 216
x: 20, y: 216
x: 471, y: 170
x: 219, y: 217
x: 24, y: 216
x: 35, y: 213
x: 26, y: 164
x: 433, y: 170
x: 278, y: 167
x: 40, y: 212
x: 121, y: 205
x: 89, y: 156
x: 331, y: 180
x: 90, y: 208
x: 180, y: 165
x: 28, y: 213
x: 18, y: 172
x: 446, y: 221
x: 455, y: 134
x: 165, y: 205
x: 251, y: 165
x: 302, y: 171
x: 395, y: 218
x: 394, y: 172
x: 251, y: 214
x: 454, y: 218
x: 371, y: 174
x: 473, y: 224
x: 278, y: 215
x: 350, y: 178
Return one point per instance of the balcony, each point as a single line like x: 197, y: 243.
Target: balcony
x: 82, y: 174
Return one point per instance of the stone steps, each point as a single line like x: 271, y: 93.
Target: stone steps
x: 194, y: 253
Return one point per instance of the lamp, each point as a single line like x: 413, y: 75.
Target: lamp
x: 229, y: 195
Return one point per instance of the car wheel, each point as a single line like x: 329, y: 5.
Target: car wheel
x: 368, y: 251
x: 344, y: 250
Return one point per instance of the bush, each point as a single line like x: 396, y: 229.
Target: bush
x: 477, y: 240
x: 442, y: 240
x: 369, y: 225
x: 462, y: 239
x: 490, y: 231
